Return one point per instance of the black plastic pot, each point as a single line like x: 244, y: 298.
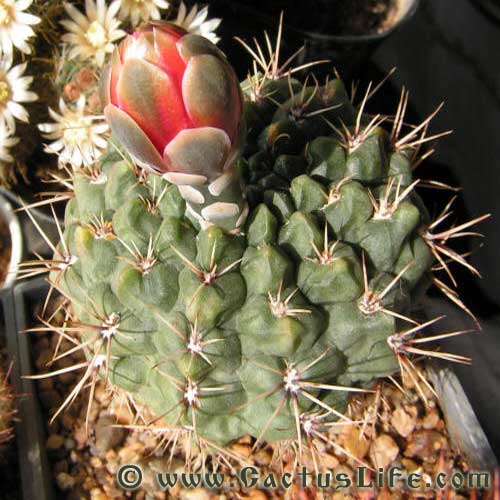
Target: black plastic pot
x: 461, y: 422
x: 346, y: 52
x: 16, y: 241
x: 33, y: 242
x: 17, y: 306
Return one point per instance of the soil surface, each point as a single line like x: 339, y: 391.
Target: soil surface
x: 5, y: 250
x: 390, y: 427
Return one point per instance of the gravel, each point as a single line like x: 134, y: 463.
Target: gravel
x: 407, y: 433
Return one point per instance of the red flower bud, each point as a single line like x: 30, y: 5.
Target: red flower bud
x: 173, y: 101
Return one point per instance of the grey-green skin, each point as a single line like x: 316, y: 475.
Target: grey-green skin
x: 289, y: 166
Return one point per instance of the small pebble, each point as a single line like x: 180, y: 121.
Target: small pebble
x: 431, y: 420
x: 262, y: 457
x: 329, y: 461
x: 55, y: 441
x: 69, y: 443
x: 194, y: 494
x: 403, y: 422
x: 355, y: 442
x: 425, y: 445
x: 61, y: 466
x: 244, y: 450
x: 50, y: 399
x: 65, y: 481
x: 96, y: 462
x: 107, y: 435
x: 255, y: 495
x: 383, y: 451
x: 409, y: 464
x: 98, y: 494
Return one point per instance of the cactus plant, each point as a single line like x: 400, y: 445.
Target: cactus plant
x: 240, y: 261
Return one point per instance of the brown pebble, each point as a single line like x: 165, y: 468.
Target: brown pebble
x: 88, y: 484
x: 403, y: 422
x: 61, y: 466
x: 255, y: 495
x: 112, y: 466
x: 69, y: 443
x: 96, y: 462
x: 383, y: 451
x: 425, y: 445
x: 98, y: 494
x: 354, y: 442
x: 50, y: 399
x: 101, y: 395
x: 299, y: 493
x: 409, y: 464
x: 385, y: 494
x: 80, y: 436
x: 46, y: 384
x: 242, y: 449
x: 329, y: 461
x: 431, y: 419
x: 262, y: 457
x: 107, y: 435
x: 55, y: 441
x: 245, y: 439
x: 67, y: 420
x: 65, y: 481
x: 340, y: 496
x: 194, y: 494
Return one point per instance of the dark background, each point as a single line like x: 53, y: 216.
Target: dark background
x: 448, y: 51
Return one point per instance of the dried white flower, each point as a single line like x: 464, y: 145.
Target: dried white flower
x: 142, y: 10
x: 15, y: 26
x: 14, y: 89
x: 195, y: 21
x: 92, y: 35
x: 78, y: 138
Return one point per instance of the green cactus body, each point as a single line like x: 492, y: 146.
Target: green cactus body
x: 250, y: 331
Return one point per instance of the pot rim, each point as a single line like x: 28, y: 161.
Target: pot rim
x: 21, y: 202
x: 16, y: 241
x: 355, y: 39
x: 347, y: 39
